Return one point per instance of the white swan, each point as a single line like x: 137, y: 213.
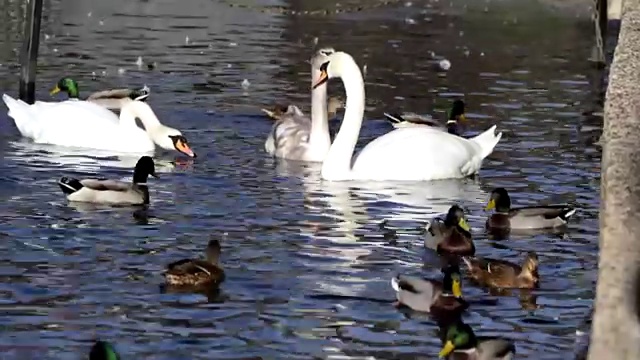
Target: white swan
x: 84, y: 124
x: 294, y: 136
x: 436, y: 154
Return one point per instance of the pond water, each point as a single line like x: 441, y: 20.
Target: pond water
x: 308, y: 262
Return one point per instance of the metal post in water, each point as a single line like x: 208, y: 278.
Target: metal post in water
x: 29, y: 54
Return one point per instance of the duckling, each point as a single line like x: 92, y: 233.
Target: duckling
x: 452, y: 235
x: 196, y: 272
x: 110, y: 99
x: 524, y: 218
x: 430, y: 295
x: 333, y: 105
x: 112, y: 192
x: 454, y: 119
x: 103, y: 350
x: 503, y: 274
x: 460, y: 343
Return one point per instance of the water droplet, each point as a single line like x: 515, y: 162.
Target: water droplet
x: 315, y: 41
x: 104, y: 73
x: 186, y: 40
x: 121, y: 71
x: 245, y: 84
x: 89, y: 14
x: 232, y: 44
x: 408, y: 4
x: 101, y: 22
x: 409, y: 21
x: 139, y: 62
x: 47, y: 36
x: 445, y: 64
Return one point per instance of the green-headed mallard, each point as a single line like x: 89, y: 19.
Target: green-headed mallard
x: 103, y: 350
x: 197, y: 272
x: 278, y: 111
x: 455, y: 116
x: 112, y: 192
x: 524, y: 218
x: 460, y: 343
x: 110, y: 99
x: 451, y: 236
x: 504, y: 274
x: 431, y: 296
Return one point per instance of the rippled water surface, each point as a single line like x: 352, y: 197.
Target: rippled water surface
x: 308, y: 262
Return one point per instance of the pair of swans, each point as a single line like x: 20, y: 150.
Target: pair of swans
x: 416, y: 153
x: 89, y: 124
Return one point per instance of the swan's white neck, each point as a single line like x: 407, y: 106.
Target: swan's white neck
x: 319, y: 136
x: 337, y: 164
x: 142, y: 111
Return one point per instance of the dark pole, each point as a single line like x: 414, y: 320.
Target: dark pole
x: 29, y: 55
x: 604, y: 24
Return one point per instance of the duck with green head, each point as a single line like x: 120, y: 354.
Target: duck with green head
x: 442, y: 299
x: 460, y: 343
x: 506, y: 217
x: 455, y: 118
x: 451, y: 235
x: 103, y: 350
x: 111, y: 99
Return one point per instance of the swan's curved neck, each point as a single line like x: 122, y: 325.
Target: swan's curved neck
x: 142, y: 111
x: 337, y: 164
x: 319, y: 135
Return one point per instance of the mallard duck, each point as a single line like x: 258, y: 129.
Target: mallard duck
x: 460, y: 343
x: 455, y: 117
x: 278, y: 111
x: 503, y: 274
x: 452, y: 235
x: 524, y: 218
x: 103, y: 350
x: 430, y: 295
x: 87, y: 125
x: 110, y: 99
x: 196, y: 272
x: 112, y: 192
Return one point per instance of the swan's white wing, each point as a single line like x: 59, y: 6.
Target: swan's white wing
x: 421, y: 153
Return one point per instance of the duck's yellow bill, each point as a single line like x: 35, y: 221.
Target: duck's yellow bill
x: 462, y: 118
x: 54, y: 91
x: 463, y: 224
x: 322, y: 79
x: 456, y: 288
x: 446, y: 349
x: 490, y: 205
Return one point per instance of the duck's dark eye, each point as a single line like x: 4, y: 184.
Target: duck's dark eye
x: 327, y: 52
x: 324, y: 66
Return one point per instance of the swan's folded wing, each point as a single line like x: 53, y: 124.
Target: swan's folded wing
x: 105, y: 185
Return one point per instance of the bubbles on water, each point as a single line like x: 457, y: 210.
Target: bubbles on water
x: 186, y: 40
x: 364, y: 70
x: 46, y: 36
x: 101, y: 22
x: 315, y: 41
x: 232, y: 44
x: 245, y: 84
x: 408, y: 4
x: 444, y: 64
x: 121, y: 71
x: 89, y: 14
x: 409, y: 21
x: 139, y: 62
x: 104, y: 73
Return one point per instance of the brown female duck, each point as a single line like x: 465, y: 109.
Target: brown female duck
x: 451, y: 236
x: 196, y: 272
x: 503, y: 274
x: 277, y: 111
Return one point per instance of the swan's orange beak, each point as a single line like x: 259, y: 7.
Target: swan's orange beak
x: 322, y: 79
x: 184, y: 148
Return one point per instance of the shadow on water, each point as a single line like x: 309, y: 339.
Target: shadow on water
x: 308, y: 262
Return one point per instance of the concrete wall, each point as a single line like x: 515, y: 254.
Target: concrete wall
x: 616, y: 330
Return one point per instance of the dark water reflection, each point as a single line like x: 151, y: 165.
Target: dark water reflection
x: 308, y: 263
